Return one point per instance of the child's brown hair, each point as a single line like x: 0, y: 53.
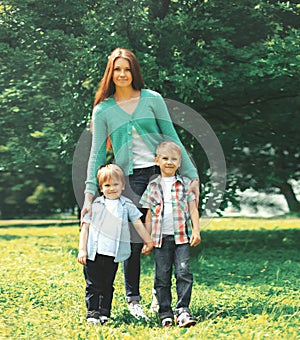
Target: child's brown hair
x: 106, y: 172
x: 168, y: 146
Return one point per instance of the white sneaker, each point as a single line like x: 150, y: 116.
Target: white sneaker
x: 185, y: 320
x: 137, y: 310
x: 93, y: 321
x: 167, y: 322
x: 103, y: 319
x: 92, y: 317
x: 154, y: 304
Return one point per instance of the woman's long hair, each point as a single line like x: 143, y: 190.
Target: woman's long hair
x: 107, y: 86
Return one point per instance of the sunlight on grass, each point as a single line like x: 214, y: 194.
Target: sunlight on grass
x: 246, y: 285
x: 250, y: 224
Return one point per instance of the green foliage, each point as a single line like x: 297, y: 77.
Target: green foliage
x: 238, y: 67
x: 246, y: 282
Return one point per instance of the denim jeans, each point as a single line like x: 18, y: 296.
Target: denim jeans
x: 135, y: 186
x: 179, y: 255
x: 99, y: 276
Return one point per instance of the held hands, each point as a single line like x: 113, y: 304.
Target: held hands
x: 147, y: 248
x: 195, y: 239
x: 82, y: 256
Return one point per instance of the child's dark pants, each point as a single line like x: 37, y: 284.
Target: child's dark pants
x: 99, y: 276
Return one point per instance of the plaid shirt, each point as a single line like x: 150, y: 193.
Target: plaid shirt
x: 153, y: 199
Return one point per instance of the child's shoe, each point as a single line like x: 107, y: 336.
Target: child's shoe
x: 103, y: 319
x: 154, y: 304
x: 184, y: 319
x: 167, y: 322
x: 92, y: 317
x: 136, y: 310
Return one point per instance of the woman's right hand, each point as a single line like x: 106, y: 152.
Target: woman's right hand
x: 87, y: 205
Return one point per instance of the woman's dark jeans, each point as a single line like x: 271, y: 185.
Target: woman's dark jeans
x: 135, y: 186
x: 179, y: 255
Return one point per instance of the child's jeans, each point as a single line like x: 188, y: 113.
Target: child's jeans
x: 99, y: 276
x: 165, y: 257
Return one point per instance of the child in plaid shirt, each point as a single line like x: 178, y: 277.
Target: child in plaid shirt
x: 173, y: 215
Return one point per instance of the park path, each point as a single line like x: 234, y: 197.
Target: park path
x: 8, y: 223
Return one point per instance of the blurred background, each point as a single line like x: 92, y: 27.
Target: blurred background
x: 234, y: 62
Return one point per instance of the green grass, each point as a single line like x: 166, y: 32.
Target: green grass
x: 246, y: 285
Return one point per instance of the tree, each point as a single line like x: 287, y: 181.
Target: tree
x: 233, y: 62
x: 37, y: 93
x: 238, y: 67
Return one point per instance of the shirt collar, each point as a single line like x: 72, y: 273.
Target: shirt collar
x: 101, y: 200
x: 178, y: 178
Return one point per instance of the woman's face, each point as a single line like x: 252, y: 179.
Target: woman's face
x: 122, y: 76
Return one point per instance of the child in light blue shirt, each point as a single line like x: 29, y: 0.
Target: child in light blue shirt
x: 105, y: 241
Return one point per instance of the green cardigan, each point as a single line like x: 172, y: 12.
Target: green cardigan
x: 151, y: 120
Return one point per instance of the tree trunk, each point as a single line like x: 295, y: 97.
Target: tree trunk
x: 287, y: 190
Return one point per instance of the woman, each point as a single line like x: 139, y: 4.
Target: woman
x: 133, y: 121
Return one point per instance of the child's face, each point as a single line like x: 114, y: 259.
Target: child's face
x: 112, y: 188
x: 168, y: 161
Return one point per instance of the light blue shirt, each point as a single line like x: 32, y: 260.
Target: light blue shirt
x: 106, y: 229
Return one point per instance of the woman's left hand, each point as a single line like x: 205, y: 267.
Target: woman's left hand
x: 195, y: 239
x: 194, y: 188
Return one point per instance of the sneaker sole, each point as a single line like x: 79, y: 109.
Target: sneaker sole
x: 168, y: 325
x: 188, y: 324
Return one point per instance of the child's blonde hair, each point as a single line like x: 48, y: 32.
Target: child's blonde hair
x: 109, y: 171
x: 167, y: 146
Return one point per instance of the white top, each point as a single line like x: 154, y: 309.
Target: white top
x: 108, y: 240
x: 112, y: 206
x: 142, y: 156
x: 167, y: 221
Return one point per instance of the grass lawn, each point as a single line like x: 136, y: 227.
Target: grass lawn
x: 246, y: 285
